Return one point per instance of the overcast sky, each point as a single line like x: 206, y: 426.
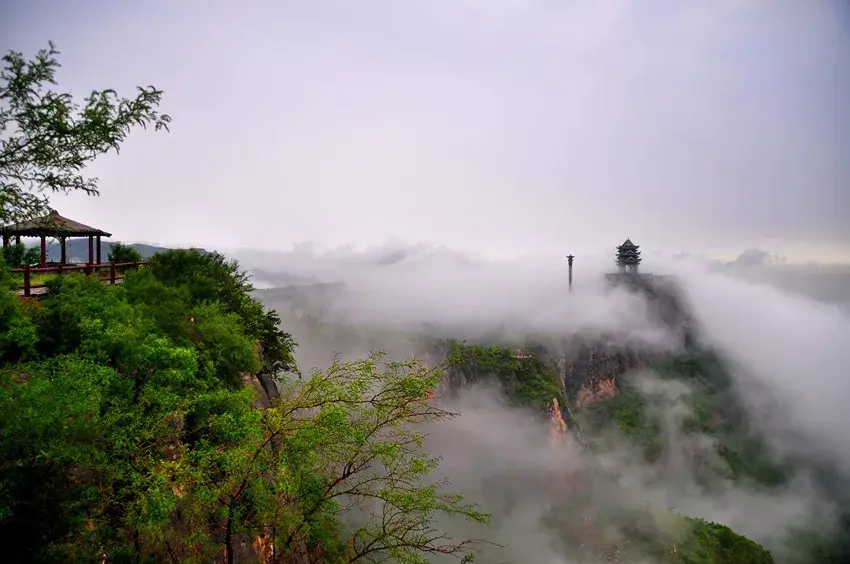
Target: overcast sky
x: 502, y: 126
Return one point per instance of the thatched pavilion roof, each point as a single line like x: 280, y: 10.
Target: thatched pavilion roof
x: 51, y: 225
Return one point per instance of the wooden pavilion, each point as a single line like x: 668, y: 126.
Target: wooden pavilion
x: 56, y: 226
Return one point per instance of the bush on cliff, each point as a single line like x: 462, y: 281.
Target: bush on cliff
x: 126, y: 432
x: 528, y: 380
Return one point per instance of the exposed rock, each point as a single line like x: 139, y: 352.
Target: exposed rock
x: 590, y: 370
x: 590, y: 366
x: 263, y: 383
x: 266, y: 388
x: 599, y: 392
x: 557, y: 425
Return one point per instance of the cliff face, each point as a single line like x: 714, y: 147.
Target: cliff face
x: 590, y: 367
x: 557, y: 425
x: 590, y: 370
x: 584, y: 370
x: 265, y: 387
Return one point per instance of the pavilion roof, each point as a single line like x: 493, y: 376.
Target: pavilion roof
x: 52, y: 225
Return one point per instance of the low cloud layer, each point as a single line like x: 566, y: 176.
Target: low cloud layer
x: 789, y: 358
x: 503, y: 459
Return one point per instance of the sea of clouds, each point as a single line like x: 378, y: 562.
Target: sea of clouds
x: 788, y: 355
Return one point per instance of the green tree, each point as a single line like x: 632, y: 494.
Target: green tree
x: 712, y: 542
x: 47, y: 139
x: 17, y: 332
x: 346, y: 439
x: 119, y: 252
x: 211, y: 276
x: 18, y: 255
x: 125, y: 432
x: 528, y: 380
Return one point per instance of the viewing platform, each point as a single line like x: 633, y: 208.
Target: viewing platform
x: 32, y: 279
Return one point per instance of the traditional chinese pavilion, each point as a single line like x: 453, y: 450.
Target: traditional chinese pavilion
x: 628, y: 256
x: 56, y: 226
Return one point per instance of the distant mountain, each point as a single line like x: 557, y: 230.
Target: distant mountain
x: 78, y: 250
x: 757, y: 257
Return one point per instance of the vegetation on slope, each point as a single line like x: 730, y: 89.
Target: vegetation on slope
x: 628, y: 412
x: 613, y: 532
x: 528, y: 381
x: 711, y: 542
x: 126, y: 432
x: 715, y: 412
x: 532, y: 381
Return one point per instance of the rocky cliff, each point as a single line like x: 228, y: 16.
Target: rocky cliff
x: 586, y: 367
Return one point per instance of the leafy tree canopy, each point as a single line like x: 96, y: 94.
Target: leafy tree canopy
x: 47, y: 139
x: 126, y: 432
x: 119, y: 252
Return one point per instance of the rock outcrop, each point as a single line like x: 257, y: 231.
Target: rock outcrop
x: 589, y: 370
x: 557, y: 425
x: 590, y: 366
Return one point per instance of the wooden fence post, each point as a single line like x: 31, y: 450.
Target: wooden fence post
x: 26, y: 281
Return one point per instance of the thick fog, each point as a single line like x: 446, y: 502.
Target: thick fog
x: 789, y: 357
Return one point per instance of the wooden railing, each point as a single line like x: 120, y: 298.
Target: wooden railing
x: 109, y: 272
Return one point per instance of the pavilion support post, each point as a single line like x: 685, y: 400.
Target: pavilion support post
x: 5, y: 240
x: 99, y: 257
x: 17, y: 239
x: 63, y: 260
x: 91, y: 249
x: 43, y: 251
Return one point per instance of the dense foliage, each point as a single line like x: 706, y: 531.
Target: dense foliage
x: 526, y: 377
x: 530, y: 379
x: 631, y: 416
x: 711, y: 542
x: 744, y: 458
x: 126, y: 432
x: 18, y: 255
x: 119, y: 252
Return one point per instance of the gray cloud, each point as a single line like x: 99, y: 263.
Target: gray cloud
x: 500, y: 126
